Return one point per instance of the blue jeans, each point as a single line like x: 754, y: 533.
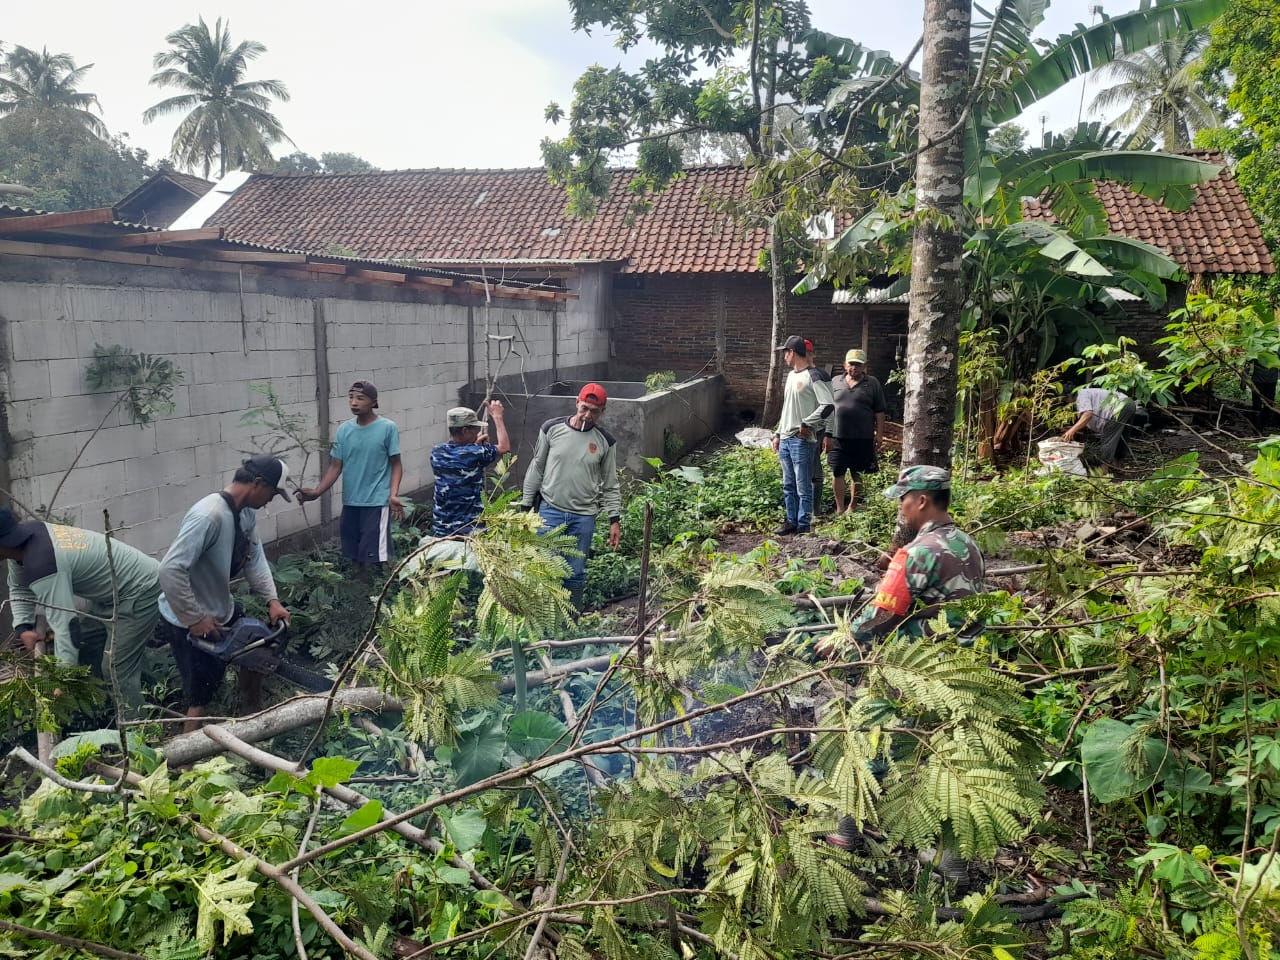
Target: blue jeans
x: 575, y: 525
x: 797, y: 480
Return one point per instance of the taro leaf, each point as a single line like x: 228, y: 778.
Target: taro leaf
x: 466, y: 828
x: 535, y: 734
x: 478, y: 753
x: 492, y: 900
x: 98, y: 738
x: 444, y: 923
x: 1104, y: 751
x: 8, y: 881
x: 453, y: 875
x: 689, y: 474
x: 366, y: 816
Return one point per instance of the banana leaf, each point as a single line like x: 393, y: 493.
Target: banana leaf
x: 1087, y: 48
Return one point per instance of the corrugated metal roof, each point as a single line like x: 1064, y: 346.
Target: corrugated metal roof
x: 873, y: 296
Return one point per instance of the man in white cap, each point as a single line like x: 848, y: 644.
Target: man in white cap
x: 218, y: 541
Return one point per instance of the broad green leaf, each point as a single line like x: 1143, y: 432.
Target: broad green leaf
x: 331, y: 771
x: 10, y: 880
x: 365, y: 816
x: 1104, y: 751
x: 1087, y: 48
x: 444, y: 924
x: 492, y: 899
x: 689, y: 474
x: 453, y: 875
x: 465, y: 827
x: 224, y: 896
x: 535, y: 734
x: 478, y: 753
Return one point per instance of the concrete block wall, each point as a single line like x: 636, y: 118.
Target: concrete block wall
x: 230, y: 335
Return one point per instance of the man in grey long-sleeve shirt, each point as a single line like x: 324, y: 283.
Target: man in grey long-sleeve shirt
x: 575, y: 472
x: 217, y: 542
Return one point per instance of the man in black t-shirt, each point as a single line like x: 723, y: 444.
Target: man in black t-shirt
x: 858, y: 427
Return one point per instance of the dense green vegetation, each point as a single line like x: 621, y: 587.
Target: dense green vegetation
x: 665, y: 814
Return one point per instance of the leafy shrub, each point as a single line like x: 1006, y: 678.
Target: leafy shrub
x: 658, y: 381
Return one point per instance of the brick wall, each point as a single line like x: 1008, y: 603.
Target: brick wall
x: 676, y: 322
x: 420, y: 348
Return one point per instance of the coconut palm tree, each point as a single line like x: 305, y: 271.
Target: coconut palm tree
x: 1161, y: 92
x: 43, y: 82
x: 227, y: 116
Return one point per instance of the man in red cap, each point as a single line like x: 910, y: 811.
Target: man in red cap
x: 574, y: 473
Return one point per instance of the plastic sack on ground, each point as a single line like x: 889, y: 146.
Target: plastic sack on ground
x: 1061, y: 456
x: 754, y: 437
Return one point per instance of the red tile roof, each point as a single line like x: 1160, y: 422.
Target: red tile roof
x: 1217, y: 235
x: 495, y: 215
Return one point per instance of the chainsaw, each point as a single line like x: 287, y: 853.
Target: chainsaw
x: 248, y: 642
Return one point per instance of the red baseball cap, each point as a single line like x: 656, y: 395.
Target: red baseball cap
x: 593, y: 393
x: 808, y: 345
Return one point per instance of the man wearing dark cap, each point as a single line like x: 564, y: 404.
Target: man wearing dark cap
x: 806, y: 405
x: 458, y: 467
x: 575, y: 474
x: 366, y: 454
x: 217, y: 542
x: 941, y: 564
x: 50, y: 565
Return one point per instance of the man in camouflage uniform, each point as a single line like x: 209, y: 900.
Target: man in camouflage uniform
x: 458, y: 466
x: 942, y: 563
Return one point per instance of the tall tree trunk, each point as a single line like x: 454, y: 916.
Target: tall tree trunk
x: 778, y: 283
x: 767, y: 71
x: 937, y: 283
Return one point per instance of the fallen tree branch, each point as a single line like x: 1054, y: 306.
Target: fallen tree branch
x: 536, y: 678
x: 534, y: 766
x: 91, y: 946
x: 49, y: 773
x: 268, y: 870
x: 589, y: 769
x: 344, y: 794
x: 282, y: 718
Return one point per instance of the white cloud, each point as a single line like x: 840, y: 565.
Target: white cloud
x: 427, y: 84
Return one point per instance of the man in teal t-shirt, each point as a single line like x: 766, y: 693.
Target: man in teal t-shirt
x: 366, y: 454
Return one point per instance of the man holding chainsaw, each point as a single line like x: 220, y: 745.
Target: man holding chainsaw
x: 218, y: 541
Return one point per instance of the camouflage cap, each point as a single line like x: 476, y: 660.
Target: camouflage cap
x: 920, y: 477
x: 463, y: 417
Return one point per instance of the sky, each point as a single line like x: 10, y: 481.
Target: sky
x: 432, y: 83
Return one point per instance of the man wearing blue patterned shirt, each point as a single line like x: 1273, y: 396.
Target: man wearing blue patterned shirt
x: 459, y: 466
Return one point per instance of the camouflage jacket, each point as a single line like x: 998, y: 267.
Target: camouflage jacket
x: 942, y: 563
x: 459, y: 481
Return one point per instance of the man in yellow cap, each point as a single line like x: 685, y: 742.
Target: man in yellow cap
x: 858, y: 429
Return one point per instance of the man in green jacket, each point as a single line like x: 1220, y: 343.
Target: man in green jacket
x: 575, y: 473
x: 50, y: 565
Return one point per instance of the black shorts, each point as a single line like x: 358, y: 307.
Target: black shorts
x: 852, y: 456
x: 366, y: 534
x: 202, y: 673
